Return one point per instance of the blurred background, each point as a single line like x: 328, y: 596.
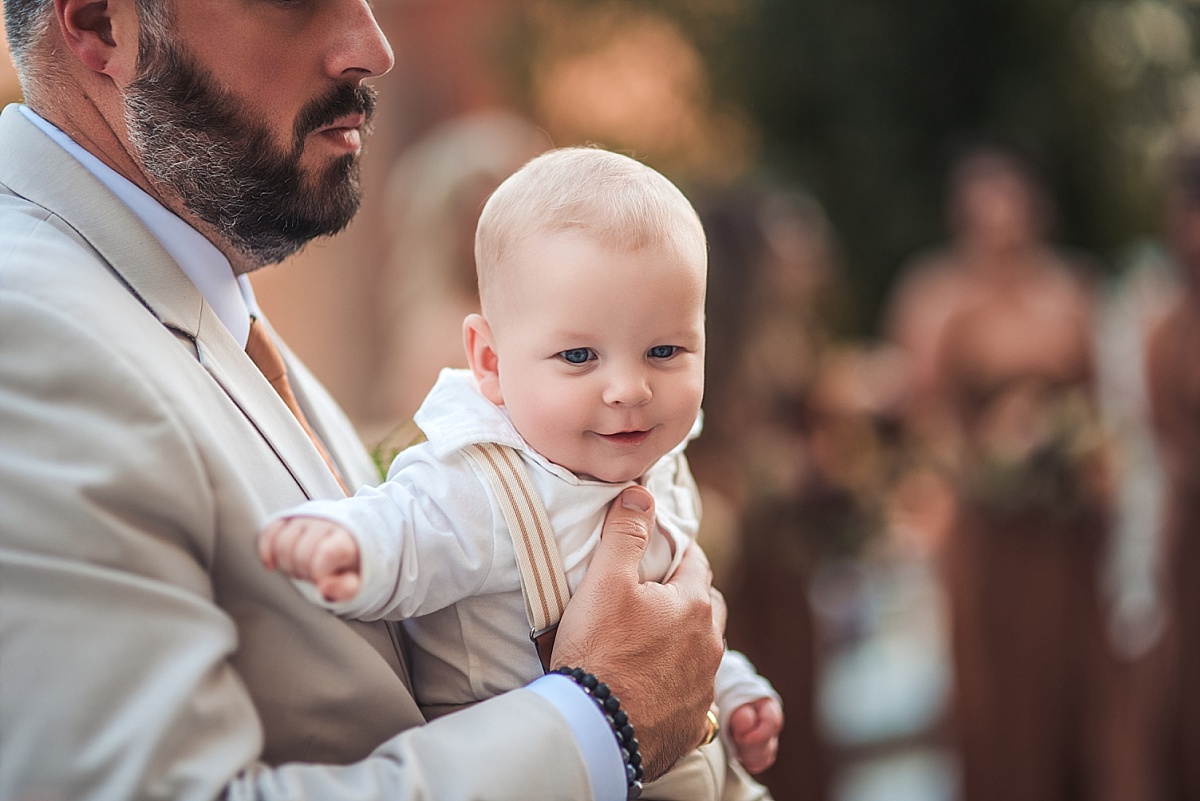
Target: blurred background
x: 952, y: 410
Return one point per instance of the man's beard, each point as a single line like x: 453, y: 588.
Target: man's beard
x: 205, y: 145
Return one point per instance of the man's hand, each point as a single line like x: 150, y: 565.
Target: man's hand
x: 656, y: 645
x: 316, y: 550
x: 754, y: 729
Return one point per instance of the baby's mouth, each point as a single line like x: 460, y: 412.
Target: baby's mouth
x: 626, y: 437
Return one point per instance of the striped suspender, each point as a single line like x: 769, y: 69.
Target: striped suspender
x: 543, y: 583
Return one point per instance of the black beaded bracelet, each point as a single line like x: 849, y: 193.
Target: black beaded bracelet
x: 610, y: 705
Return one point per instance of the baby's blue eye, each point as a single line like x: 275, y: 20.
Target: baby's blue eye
x: 663, y: 351
x: 576, y: 355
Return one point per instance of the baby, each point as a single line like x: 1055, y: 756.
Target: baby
x: 588, y: 362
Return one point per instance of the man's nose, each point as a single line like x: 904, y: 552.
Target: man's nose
x: 361, y: 50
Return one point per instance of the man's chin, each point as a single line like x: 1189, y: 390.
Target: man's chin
x: 289, y: 236
x: 326, y: 168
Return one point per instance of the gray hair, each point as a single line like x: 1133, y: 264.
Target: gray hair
x: 25, y: 21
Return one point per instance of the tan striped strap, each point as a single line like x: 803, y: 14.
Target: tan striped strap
x: 543, y: 583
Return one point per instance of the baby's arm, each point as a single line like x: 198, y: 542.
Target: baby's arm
x: 315, y: 550
x: 422, y: 540
x: 750, y: 712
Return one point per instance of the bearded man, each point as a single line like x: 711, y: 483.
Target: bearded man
x: 150, y: 420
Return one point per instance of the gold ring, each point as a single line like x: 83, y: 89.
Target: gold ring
x: 714, y: 728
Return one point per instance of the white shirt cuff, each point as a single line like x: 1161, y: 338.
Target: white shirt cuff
x: 596, y: 739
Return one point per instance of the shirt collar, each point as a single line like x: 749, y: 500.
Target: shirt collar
x: 230, y: 296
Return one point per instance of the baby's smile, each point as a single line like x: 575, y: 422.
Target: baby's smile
x: 630, y: 438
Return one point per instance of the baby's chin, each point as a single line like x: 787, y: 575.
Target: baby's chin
x: 611, y: 476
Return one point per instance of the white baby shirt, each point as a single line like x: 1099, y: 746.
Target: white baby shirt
x: 437, y: 554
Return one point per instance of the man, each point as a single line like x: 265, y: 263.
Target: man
x: 167, y: 149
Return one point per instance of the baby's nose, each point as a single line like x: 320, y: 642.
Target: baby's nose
x: 628, y: 388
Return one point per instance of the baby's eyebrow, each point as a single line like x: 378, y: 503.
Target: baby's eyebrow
x: 684, y: 335
x: 568, y: 335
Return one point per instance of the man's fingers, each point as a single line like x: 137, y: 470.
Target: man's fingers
x: 627, y: 530
x: 720, y: 612
x: 611, y: 581
x: 693, y: 580
x: 663, y: 630
x: 694, y: 575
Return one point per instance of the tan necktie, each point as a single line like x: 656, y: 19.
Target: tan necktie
x: 262, y: 351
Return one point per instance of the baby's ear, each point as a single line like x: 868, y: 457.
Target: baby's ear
x: 481, y: 355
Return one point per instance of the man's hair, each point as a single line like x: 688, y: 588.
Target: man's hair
x: 26, y: 20
x: 619, y: 201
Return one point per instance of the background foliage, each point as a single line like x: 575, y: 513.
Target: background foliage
x: 866, y: 102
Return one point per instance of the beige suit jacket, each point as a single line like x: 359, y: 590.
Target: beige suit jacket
x: 144, y: 651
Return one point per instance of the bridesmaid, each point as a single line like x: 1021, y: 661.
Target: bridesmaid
x: 1174, y: 382
x: 997, y: 329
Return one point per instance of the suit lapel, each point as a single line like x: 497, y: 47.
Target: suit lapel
x: 242, y: 381
x: 331, y: 424
x: 50, y: 177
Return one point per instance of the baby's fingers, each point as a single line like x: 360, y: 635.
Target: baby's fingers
x: 742, y: 721
x: 335, y: 554
x: 757, y: 758
x: 768, y: 721
x: 266, y: 544
x: 339, y: 587
x: 755, y: 728
x: 277, y: 541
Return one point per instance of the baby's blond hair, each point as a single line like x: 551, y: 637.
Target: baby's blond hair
x: 618, y: 200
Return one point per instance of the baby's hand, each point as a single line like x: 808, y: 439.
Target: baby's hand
x: 315, y: 550
x: 754, y: 728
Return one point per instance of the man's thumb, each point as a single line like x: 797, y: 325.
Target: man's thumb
x: 626, y: 533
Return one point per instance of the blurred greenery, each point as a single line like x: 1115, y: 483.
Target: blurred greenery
x: 866, y: 103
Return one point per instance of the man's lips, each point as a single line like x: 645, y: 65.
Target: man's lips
x: 345, y: 130
x: 356, y: 120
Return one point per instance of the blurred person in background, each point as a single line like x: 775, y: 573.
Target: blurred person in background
x: 997, y: 330
x: 771, y: 287
x: 1174, y: 384
x: 435, y: 192
x: 1134, y: 575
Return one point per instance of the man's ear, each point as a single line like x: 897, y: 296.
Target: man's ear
x: 103, y: 35
x: 481, y: 355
